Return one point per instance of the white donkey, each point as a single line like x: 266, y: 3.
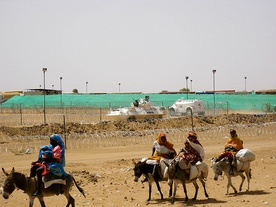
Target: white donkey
x: 239, y: 170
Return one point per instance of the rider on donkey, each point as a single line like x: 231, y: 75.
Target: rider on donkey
x: 192, y: 152
x: 162, y: 148
x: 51, y: 159
x: 231, y: 147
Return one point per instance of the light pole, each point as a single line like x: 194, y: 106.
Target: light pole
x: 214, y: 89
x: 119, y: 87
x: 187, y: 77
x: 86, y: 87
x: 245, y: 83
x: 191, y: 85
x: 44, y: 103
x: 53, y: 86
x: 60, y: 87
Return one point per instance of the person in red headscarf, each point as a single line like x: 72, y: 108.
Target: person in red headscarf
x: 193, y: 150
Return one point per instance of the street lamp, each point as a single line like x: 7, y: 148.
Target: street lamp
x: 53, y: 86
x: 245, y: 83
x: 214, y: 89
x: 86, y: 86
x: 119, y: 87
x: 60, y: 87
x: 44, y: 103
x: 187, y: 77
x: 191, y: 85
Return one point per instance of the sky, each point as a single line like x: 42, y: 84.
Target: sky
x: 111, y: 46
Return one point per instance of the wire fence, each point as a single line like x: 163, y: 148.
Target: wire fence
x: 31, y: 144
x: 35, y: 116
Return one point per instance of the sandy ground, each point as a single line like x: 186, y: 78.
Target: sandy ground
x: 106, y: 174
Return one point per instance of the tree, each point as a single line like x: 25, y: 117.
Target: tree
x: 75, y: 90
x: 184, y: 90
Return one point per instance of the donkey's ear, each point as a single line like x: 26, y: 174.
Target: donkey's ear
x: 12, y: 171
x: 133, y: 161
x: 4, y: 171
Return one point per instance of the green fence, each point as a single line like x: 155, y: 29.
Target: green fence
x: 93, y: 108
x: 245, y: 102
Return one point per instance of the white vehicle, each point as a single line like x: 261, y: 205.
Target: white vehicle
x: 185, y: 107
x: 139, y: 109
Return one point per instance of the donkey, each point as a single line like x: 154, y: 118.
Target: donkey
x: 142, y: 168
x: 223, y: 165
x: 176, y: 175
x: 28, y: 185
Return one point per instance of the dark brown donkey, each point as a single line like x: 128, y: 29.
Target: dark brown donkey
x: 142, y: 168
x: 28, y: 185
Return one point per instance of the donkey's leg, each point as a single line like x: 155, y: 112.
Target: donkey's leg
x: 174, y: 190
x: 196, y: 189
x: 150, y: 186
x: 70, y: 199
x: 170, y: 193
x: 230, y: 184
x: 41, y: 200
x: 185, y: 191
x: 243, y: 178
x: 159, y: 189
x: 31, y: 201
x: 204, y: 186
x: 248, y: 176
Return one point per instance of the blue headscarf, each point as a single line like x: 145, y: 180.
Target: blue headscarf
x: 45, y: 150
x: 60, y: 142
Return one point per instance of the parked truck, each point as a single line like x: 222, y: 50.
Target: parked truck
x: 185, y: 107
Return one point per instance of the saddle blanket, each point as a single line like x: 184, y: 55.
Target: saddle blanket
x: 49, y: 180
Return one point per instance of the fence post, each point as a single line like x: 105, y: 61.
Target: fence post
x: 100, y: 114
x: 20, y: 111
x: 227, y: 107
x: 64, y: 130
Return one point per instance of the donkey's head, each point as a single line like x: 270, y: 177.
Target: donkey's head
x: 216, y: 166
x: 171, y: 170
x: 138, y: 169
x: 9, y: 184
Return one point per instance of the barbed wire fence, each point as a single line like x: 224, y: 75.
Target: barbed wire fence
x: 31, y: 144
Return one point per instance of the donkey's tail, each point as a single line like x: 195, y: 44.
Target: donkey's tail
x: 79, y: 188
x: 250, y: 174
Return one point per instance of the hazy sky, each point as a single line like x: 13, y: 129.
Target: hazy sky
x: 146, y: 45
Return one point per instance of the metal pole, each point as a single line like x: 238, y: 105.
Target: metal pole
x: 192, y: 120
x: 44, y: 103
x: 119, y: 87
x: 21, y: 121
x: 187, y: 85
x: 191, y: 85
x: 214, y: 89
x: 60, y: 85
x: 86, y: 86
x: 245, y: 83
